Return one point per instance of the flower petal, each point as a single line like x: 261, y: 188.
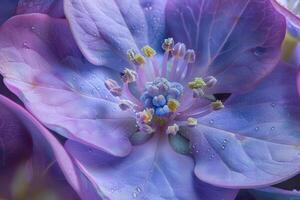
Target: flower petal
x: 151, y: 171
x: 254, y: 140
x: 272, y: 193
x: 45, y: 145
x: 105, y: 29
x: 52, y: 7
x: 291, y: 11
x: 7, y: 9
x: 45, y: 70
x: 237, y: 41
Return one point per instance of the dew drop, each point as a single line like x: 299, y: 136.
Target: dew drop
x: 211, y: 121
x: 33, y: 28
x: 273, y: 105
x: 256, y: 128
x: 272, y: 128
x: 25, y: 45
x: 258, y: 51
x: 223, y: 147
x: 138, y: 189
x: 90, y: 150
x: 134, y: 194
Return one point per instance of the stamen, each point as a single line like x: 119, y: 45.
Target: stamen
x: 136, y: 58
x: 139, y: 59
x: 192, y: 121
x: 168, y: 47
x: 172, y: 129
x: 179, y: 50
x: 145, y: 128
x: 197, y: 83
x: 198, y: 93
x: 178, y: 53
x: 128, y: 75
x: 217, y: 105
x: 113, y: 87
x: 190, y: 57
x: 148, y: 51
x: 210, y: 81
x: 125, y: 105
x: 173, y: 104
x: 145, y: 116
x: 168, y: 44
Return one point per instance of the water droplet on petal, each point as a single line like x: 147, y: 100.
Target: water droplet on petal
x: 272, y: 128
x: 138, y: 189
x: 25, y: 45
x: 134, y: 194
x: 33, y: 28
x: 256, y: 128
x: 273, y: 105
x: 211, y: 121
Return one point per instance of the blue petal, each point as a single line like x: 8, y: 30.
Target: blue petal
x: 151, y: 171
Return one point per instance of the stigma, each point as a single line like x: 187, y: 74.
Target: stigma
x: 162, y: 96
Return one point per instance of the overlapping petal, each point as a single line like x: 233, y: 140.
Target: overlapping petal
x: 238, y: 42
x: 255, y: 140
x: 52, y: 7
x: 290, y: 10
x: 44, y: 146
x: 47, y: 72
x: 151, y: 171
x: 7, y: 9
x: 105, y: 29
x: 272, y: 193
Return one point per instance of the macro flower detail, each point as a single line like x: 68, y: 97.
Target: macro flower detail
x: 160, y: 99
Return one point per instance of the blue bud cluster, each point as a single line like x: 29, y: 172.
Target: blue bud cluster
x: 158, y: 93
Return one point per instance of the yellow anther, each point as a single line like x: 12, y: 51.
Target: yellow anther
x: 192, y: 121
x: 173, y: 104
x: 135, y: 57
x: 217, y: 105
x: 139, y: 59
x: 172, y: 129
x: 148, y: 51
x: 147, y: 115
x: 197, y: 83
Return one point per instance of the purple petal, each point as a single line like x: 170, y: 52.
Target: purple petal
x: 272, y: 193
x: 238, y: 42
x: 254, y: 140
x: 45, y: 145
x: 104, y: 29
x: 290, y: 10
x: 151, y: 171
x: 15, y: 141
x: 294, y: 59
x: 52, y: 7
x: 45, y: 70
x: 7, y: 9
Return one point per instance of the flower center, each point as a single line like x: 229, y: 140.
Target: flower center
x: 151, y: 89
x: 162, y: 96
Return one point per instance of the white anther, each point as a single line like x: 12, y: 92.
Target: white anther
x: 172, y: 129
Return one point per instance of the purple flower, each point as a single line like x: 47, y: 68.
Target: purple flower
x: 179, y: 94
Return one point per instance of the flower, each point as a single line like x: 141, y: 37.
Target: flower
x: 234, y: 127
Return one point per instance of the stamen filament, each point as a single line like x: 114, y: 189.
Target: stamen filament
x: 164, y: 65
x: 128, y: 94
